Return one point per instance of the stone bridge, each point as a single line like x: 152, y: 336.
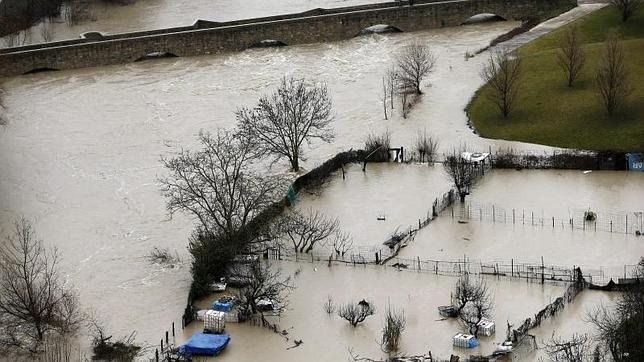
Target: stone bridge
x: 318, y: 25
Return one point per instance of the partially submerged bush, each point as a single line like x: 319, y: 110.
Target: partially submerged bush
x: 356, y: 313
x: 163, y: 256
x: 377, y: 147
x: 426, y: 147
x: 106, y: 349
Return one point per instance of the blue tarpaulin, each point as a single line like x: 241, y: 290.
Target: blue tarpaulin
x: 203, y: 344
x: 636, y: 161
x: 222, y: 307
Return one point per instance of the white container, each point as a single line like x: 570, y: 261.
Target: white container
x: 465, y: 341
x: 486, y: 327
x: 214, y: 321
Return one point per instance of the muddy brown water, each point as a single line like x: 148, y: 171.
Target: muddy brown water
x: 329, y: 338
x: 80, y: 155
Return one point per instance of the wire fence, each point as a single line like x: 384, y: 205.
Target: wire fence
x: 614, y: 222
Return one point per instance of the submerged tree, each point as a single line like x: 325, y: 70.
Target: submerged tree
x: 306, y: 229
x: 576, y: 349
x: 462, y: 173
x: 283, y: 121
x: 414, y: 63
x: 627, y: 7
x: 612, y: 77
x: 262, y: 285
x: 571, y: 57
x: 34, y: 302
x: 356, y: 313
x: 620, y: 328
x: 502, y: 73
x: 426, y: 146
x: 217, y: 184
x: 473, y: 302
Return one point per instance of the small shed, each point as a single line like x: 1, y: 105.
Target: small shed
x: 486, y: 327
x: 214, y: 322
x: 465, y: 341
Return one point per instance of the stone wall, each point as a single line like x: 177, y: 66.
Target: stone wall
x: 314, y: 26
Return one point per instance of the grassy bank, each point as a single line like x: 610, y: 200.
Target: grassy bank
x: 548, y: 112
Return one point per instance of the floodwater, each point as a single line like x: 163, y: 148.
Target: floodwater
x: 81, y: 152
x: 329, y: 338
x: 113, y: 18
x: 547, y: 194
x: 80, y: 155
x: 559, y: 192
x: 399, y: 193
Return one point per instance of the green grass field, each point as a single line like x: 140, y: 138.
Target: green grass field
x: 548, y: 112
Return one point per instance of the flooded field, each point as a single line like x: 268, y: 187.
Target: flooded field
x: 398, y: 193
x: 329, y: 338
x: 544, y: 195
x: 559, y: 192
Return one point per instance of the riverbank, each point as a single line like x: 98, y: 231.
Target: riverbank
x: 550, y: 113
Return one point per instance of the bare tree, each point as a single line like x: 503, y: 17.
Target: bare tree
x: 217, y: 185
x: 305, y: 230
x: 3, y: 118
x: 392, y: 330
x: 620, y: 328
x: 77, y: 11
x: 33, y: 301
x: 627, y: 7
x: 473, y: 302
x: 502, y: 73
x: 384, y: 96
x: 462, y: 173
x: 47, y: 29
x: 341, y: 242
x: 571, y: 57
x: 263, y: 286
x: 426, y: 146
x: 283, y: 121
x: 612, y: 77
x: 576, y: 349
x: 328, y: 305
x: 391, y: 83
x: 415, y: 62
x: 356, y: 313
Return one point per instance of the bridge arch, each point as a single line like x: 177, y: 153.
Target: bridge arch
x: 267, y: 43
x: 41, y: 70
x: 485, y: 17
x: 155, y: 55
x: 379, y: 29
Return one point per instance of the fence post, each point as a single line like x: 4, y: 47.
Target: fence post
x: 626, y: 231
x: 512, y: 216
x: 452, y: 211
x: 532, y: 218
x: 542, y: 270
x: 173, y: 329
x: 523, y: 217
x: 512, y: 267
x: 161, y: 345
x: 553, y: 221
x: 166, y: 337
x: 611, y: 226
x: 493, y: 214
x: 436, y: 268
x: 418, y: 257
x: 418, y: 224
x: 156, y: 354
